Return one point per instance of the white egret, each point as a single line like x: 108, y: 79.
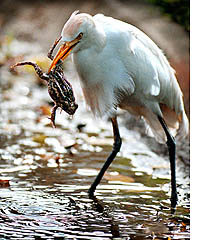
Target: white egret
x: 120, y: 66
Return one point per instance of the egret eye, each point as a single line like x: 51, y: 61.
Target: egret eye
x: 80, y: 35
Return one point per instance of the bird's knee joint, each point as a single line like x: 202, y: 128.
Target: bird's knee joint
x: 117, y: 145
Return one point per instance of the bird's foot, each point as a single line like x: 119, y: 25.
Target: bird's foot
x: 99, y: 206
x: 91, y: 193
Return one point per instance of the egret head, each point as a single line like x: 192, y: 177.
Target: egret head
x: 77, y: 34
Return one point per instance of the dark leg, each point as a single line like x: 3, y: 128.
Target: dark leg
x: 116, y: 148
x: 172, y: 157
x: 36, y: 67
x: 52, y: 48
x: 53, y: 115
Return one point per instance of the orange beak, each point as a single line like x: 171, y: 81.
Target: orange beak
x: 63, y: 52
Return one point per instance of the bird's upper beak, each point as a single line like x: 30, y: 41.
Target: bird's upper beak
x: 63, y: 52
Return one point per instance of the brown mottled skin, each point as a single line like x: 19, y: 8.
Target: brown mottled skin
x: 59, y: 89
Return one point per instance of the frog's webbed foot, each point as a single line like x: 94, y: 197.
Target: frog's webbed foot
x: 53, y: 115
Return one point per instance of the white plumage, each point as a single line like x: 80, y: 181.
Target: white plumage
x: 120, y: 66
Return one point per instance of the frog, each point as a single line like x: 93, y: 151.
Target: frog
x: 59, y: 88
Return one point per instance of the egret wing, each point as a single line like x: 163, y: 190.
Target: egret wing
x: 138, y: 58
x: 146, y: 63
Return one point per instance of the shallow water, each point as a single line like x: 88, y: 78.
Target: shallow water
x: 47, y: 202
x: 49, y: 172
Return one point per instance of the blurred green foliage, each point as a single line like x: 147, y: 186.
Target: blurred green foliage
x: 178, y: 10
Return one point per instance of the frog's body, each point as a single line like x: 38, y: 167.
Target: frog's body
x: 59, y: 89
x: 61, y: 92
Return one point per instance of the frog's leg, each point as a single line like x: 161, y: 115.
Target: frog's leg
x: 53, y: 115
x: 36, y: 67
x: 53, y: 47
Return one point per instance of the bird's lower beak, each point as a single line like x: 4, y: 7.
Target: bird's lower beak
x: 63, y: 52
